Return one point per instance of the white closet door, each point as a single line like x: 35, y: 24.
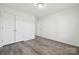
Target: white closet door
x: 8, y: 27
x: 23, y: 28
x: 0, y: 30
x: 20, y: 28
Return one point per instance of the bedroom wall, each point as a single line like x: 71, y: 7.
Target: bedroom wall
x: 62, y: 26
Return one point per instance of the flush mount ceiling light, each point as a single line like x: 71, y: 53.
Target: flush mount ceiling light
x: 40, y: 5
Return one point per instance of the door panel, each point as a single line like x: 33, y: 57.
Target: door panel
x: 0, y: 30
x: 19, y: 28
x: 8, y: 27
x: 23, y: 28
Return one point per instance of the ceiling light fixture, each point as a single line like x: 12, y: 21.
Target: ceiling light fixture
x: 40, y: 5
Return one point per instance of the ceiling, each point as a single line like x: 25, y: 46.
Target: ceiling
x: 48, y: 9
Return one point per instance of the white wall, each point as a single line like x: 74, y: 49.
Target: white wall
x: 62, y: 26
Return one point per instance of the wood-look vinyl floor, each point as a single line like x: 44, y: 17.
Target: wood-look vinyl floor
x: 39, y: 46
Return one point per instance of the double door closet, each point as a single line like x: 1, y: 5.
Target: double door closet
x: 15, y: 27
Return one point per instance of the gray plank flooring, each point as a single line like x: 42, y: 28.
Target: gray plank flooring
x: 39, y: 46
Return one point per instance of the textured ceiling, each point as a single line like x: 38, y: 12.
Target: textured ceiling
x: 48, y: 9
